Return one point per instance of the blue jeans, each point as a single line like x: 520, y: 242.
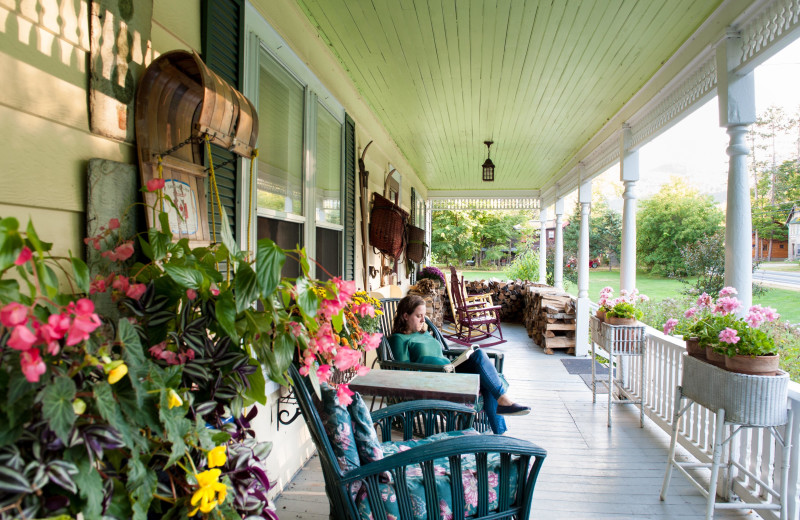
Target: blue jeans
x: 491, y: 387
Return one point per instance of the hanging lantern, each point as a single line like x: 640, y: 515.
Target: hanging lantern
x: 488, y: 165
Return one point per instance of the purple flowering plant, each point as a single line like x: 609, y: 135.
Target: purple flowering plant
x: 432, y: 273
x: 716, y: 324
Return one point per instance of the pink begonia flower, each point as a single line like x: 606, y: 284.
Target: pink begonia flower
x: 21, y: 338
x: 324, y: 373
x: 51, y: 332
x: 329, y: 308
x: 98, y: 285
x: 346, y: 289
x: 85, y: 322
x: 364, y: 310
x: 690, y: 312
x: 346, y: 358
x: 344, y: 394
x: 669, y: 326
x: 214, y: 291
x: 729, y: 336
x: 113, y: 224
x: 14, y: 314
x: 136, y: 291
x: 94, y: 241
x: 304, y: 370
x: 727, y: 305
x: 362, y: 370
x: 323, y: 340
x: 191, y: 294
x: 121, y: 283
x: 32, y: 365
x: 157, y: 349
x: 371, y: 340
x: 124, y: 251
x: 295, y: 327
x: 728, y: 291
x: 155, y: 184
x: 704, y: 301
x: 24, y: 256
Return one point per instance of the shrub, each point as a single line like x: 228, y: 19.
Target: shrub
x: 525, y: 266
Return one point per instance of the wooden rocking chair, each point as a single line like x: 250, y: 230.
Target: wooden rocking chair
x: 451, y: 328
x: 474, y: 321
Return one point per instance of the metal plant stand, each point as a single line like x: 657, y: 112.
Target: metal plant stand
x: 742, y: 401
x: 619, y: 341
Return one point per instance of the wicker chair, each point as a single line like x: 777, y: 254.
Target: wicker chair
x: 386, y: 360
x: 517, y: 470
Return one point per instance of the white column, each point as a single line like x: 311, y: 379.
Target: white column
x: 543, y: 246
x: 737, y: 111
x: 582, y: 324
x: 628, y: 174
x: 428, y: 232
x: 558, y: 257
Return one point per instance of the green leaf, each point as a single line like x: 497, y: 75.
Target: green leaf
x: 337, y: 321
x: 142, y: 482
x: 134, y: 357
x: 220, y: 438
x: 177, y: 427
x: 163, y: 219
x: 48, y: 279
x: 269, y: 263
x: 281, y: 356
x: 226, y: 314
x: 90, y: 486
x: 147, y: 249
x: 81, y: 273
x: 306, y: 298
x: 246, y: 287
x: 10, y: 242
x: 159, y: 243
x: 110, y: 411
x: 9, y: 291
x: 227, y: 237
x: 304, y: 262
x: 57, y: 406
x: 257, y: 390
x: 186, y: 277
x: 12, y: 482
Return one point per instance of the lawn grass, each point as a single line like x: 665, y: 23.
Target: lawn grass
x: 658, y: 288
x: 780, y: 266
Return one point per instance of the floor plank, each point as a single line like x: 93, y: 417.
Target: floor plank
x: 591, y: 471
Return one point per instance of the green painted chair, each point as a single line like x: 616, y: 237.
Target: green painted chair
x: 386, y: 360
x: 412, y: 477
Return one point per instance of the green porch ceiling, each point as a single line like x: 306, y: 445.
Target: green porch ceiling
x: 540, y: 78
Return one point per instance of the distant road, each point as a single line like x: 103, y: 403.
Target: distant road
x: 778, y: 278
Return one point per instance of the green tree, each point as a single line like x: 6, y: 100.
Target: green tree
x: 452, y: 237
x: 670, y: 220
x: 605, y: 232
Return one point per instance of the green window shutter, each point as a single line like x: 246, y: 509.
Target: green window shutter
x: 223, y: 51
x: 350, y: 190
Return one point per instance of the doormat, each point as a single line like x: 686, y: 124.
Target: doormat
x: 601, y: 388
x: 583, y: 366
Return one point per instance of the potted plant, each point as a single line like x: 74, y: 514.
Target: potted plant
x: 433, y: 273
x: 606, y: 296
x: 623, y: 310
x: 728, y: 340
x: 144, y: 412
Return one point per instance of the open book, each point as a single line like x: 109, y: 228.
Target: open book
x: 461, y: 358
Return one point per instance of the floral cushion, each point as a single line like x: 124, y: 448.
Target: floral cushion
x: 336, y: 420
x: 367, y: 443
x: 441, y: 470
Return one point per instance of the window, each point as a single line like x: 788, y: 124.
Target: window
x: 300, y: 142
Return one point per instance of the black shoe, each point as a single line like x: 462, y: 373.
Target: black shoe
x: 514, y: 409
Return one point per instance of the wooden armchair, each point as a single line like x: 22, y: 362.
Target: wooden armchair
x: 452, y: 328
x: 416, y: 476
x: 387, y: 362
x: 475, y: 321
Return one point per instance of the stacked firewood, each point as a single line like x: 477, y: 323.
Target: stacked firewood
x: 510, y: 296
x: 550, y: 318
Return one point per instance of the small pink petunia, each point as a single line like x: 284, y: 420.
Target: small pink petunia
x: 191, y: 294
x: 14, y: 314
x: 669, y: 326
x: 32, y: 365
x: 729, y: 336
x: 21, y: 338
x: 24, y: 256
x: 155, y: 184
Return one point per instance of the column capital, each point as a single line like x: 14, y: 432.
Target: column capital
x: 735, y: 91
x: 585, y: 192
x: 559, y: 207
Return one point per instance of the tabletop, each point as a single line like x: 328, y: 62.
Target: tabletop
x: 457, y: 388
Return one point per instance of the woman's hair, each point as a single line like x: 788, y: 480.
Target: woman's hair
x: 405, y: 306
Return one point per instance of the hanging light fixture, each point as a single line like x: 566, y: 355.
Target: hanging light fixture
x: 488, y: 165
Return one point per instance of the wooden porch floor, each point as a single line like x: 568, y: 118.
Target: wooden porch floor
x: 591, y: 471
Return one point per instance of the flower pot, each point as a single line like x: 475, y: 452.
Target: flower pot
x: 601, y: 314
x: 694, y: 349
x: 753, y: 365
x: 614, y: 320
x: 714, y: 358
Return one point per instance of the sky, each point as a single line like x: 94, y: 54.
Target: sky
x: 694, y: 148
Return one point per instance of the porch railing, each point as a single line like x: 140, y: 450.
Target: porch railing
x: 754, y: 448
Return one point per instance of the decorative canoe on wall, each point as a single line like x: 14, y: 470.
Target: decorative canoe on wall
x: 181, y: 101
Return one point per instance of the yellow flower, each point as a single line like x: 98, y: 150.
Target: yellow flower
x: 78, y: 406
x: 173, y: 399
x: 117, y: 373
x: 211, y: 492
x: 217, y: 457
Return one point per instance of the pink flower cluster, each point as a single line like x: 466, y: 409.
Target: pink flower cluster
x: 121, y: 286
x: 75, y: 322
x: 757, y: 315
x: 670, y: 325
x: 729, y: 336
x: 727, y: 305
x: 606, y: 293
x: 169, y: 357
x: 324, y: 346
